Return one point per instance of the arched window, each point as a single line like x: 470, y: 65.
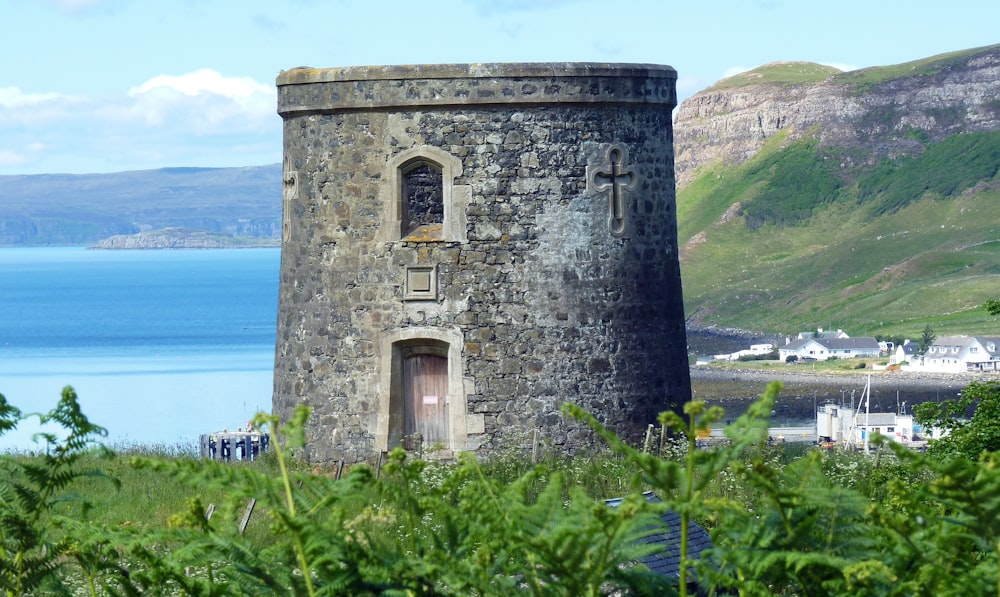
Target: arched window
x: 421, y: 201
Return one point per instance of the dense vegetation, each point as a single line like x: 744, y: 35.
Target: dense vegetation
x: 794, y: 182
x: 968, y: 437
x: 944, y: 170
x: 783, y: 521
x: 883, y: 251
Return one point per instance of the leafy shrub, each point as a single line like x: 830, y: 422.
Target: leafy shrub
x: 966, y: 438
x: 32, y: 550
x: 946, y: 169
x: 798, y: 522
x: 795, y: 181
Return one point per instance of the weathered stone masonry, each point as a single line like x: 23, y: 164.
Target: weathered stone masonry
x: 548, y: 273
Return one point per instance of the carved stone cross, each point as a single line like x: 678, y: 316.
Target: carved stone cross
x: 618, y: 180
x: 289, y: 192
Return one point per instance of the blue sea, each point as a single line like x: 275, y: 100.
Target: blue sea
x: 160, y: 346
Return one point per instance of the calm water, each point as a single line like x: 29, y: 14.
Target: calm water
x: 160, y: 345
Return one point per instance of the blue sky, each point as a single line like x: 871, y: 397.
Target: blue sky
x: 115, y: 85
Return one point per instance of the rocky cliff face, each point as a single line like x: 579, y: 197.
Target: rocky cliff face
x: 869, y: 114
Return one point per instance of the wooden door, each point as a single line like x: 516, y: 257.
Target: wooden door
x: 425, y: 388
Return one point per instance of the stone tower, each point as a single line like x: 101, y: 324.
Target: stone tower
x: 466, y: 247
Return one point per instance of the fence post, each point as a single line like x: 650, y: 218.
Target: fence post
x: 246, y: 514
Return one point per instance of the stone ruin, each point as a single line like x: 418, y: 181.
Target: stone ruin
x: 467, y: 247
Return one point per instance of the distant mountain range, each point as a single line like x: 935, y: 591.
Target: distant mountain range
x: 83, y: 209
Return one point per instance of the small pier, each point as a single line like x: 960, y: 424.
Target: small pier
x: 234, y: 445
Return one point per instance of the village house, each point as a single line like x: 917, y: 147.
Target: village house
x: 821, y: 346
x: 756, y: 350
x: 957, y: 354
x: 904, y: 353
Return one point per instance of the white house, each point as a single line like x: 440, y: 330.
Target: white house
x: 821, y: 349
x: 756, y: 350
x: 904, y: 353
x: 958, y: 354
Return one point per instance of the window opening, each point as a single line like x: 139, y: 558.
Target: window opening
x: 423, y: 199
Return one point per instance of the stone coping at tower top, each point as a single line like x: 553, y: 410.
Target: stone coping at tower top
x: 306, y: 89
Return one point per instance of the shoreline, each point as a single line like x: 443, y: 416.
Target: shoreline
x: 805, y: 391
x: 900, y: 379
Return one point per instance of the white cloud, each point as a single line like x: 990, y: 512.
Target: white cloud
x: 36, y: 110
x: 735, y: 70
x: 201, y: 118
x: 13, y: 97
x: 10, y: 158
x: 204, y: 101
x: 204, y: 81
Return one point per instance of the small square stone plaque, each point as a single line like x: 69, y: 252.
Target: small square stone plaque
x: 421, y: 283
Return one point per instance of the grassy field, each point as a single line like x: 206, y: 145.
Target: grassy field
x: 882, y: 265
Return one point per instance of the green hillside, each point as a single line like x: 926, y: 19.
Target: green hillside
x: 885, y: 251
x: 863, y: 80
x: 784, y: 73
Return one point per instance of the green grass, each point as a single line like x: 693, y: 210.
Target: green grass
x: 945, y: 170
x: 910, y: 243
x: 779, y: 73
x: 863, y: 80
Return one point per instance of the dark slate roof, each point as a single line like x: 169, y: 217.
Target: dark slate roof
x: 666, y: 561
x: 856, y: 344
x: 850, y: 343
x: 818, y: 335
x: 795, y: 344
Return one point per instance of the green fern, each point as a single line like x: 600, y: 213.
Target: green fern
x: 31, y: 552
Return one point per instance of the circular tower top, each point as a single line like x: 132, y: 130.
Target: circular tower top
x: 367, y: 87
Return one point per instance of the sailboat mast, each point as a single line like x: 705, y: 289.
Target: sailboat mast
x: 868, y: 395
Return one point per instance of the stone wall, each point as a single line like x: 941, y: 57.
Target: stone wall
x: 553, y: 276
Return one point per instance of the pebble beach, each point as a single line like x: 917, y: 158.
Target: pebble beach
x: 804, y: 390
